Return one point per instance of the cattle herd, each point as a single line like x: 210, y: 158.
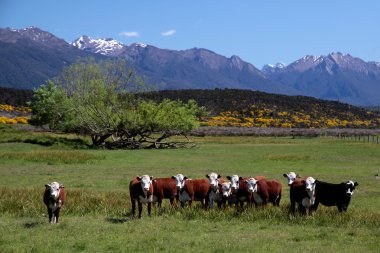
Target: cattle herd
x: 306, y: 192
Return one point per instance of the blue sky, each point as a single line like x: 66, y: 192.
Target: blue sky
x: 259, y: 32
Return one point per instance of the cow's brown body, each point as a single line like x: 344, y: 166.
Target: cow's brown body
x: 54, y: 205
x: 196, y: 190
x: 164, y: 188
x: 297, y: 194
x: 137, y: 194
x: 269, y: 191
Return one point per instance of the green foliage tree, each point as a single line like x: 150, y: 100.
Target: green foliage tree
x: 96, y: 99
x: 50, y: 107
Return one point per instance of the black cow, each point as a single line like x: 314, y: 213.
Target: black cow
x: 334, y: 194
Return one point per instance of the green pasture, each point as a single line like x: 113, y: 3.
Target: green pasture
x: 96, y: 217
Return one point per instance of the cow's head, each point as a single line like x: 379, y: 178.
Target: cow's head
x: 251, y: 184
x: 350, y: 187
x: 310, y: 186
x: 226, y: 189
x: 179, y: 181
x: 54, y: 188
x: 213, y: 179
x: 291, y: 176
x: 234, y: 179
x: 146, y: 184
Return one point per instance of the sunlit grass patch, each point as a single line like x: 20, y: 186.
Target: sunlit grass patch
x: 52, y: 156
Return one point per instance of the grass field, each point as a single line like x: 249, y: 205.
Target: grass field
x: 96, y: 217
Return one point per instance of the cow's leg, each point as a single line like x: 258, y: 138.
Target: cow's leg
x: 50, y: 213
x: 172, y: 202
x: 140, y: 208
x: 159, y: 202
x: 150, y: 207
x: 56, y: 215
x: 277, y: 201
x: 133, y: 208
x: 292, y: 207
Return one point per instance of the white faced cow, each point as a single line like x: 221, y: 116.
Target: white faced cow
x: 338, y: 195
x: 141, y: 190
x: 264, y: 191
x: 291, y: 176
x: 310, y: 189
x: 54, y: 199
x: 214, y: 182
x: 223, y: 194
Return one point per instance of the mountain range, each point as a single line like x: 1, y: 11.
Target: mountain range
x: 30, y: 56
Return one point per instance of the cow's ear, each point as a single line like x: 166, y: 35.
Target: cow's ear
x: 285, y: 175
x: 228, y: 177
x: 138, y: 178
x: 207, y: 176
x: 246, y: 181
x: 61, y: 186
x: 173, y: 177
x: 185, y: 178
x: 356, y: 184
x: 219, y: 176
x: 240, y: 178
x: 151, y: 178
x: 298, y: 176
x: 47, y: 185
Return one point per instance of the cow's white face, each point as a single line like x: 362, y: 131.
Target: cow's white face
x: 146, y: 182
x: 350, y: 188
x: 226, y: 189
x: 54, y: 188
x: 179, y: 181
x: 310, y: 186
x: 291, y: 176
x: 251, y: 184
x: 213, y: 178
x: 234, y: 182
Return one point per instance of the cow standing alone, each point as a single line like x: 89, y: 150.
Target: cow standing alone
x: 54, y: 198
x: 141, y: 190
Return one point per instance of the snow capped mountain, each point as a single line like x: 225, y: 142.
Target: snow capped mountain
x: 30, y: 56
x: 32, y: 35
x: 269, y: 68
x: 107, y: 47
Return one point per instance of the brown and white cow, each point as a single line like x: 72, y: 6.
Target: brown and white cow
x: 164, y: 188
x: 302, y: 192
x: 223, y: 194
x: 292, y: 176
x: 141, y: 190
x: 54, y: 198
x: 264, y: 191
x: 239, y: 191
x: 190, y: 190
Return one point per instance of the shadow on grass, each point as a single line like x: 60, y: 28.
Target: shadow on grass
x: 119, y: 220
x: 32, y: 224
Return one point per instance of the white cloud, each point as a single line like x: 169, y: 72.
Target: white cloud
x: 129, y: 34
x: 168, y: 33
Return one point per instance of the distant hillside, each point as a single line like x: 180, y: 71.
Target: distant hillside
x: 245, y: 108
x: 232, y: 107
x: 221, y: 100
